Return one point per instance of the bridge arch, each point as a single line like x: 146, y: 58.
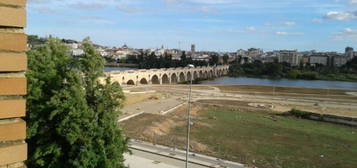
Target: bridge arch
x: 174, y: 78
x: 143, y: 81
x: 155, y: 80
x: 210, y: 74
x: 130, y: 82
x: 182, y: 77
x: 195, y: 75
x: 201, y: 75
x: 188, y: 76
x: 205, y: 74
x: 165, y: 79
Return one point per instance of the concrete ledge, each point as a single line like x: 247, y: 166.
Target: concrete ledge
x: 13, y: 154
x: 13, y: 62
x: 12, y: 17
x: 197, y: 159
x: 12, y: 130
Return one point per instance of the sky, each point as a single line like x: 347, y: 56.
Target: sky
x: 214, y: 25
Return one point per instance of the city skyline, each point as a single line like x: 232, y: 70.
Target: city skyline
x: 215, y: 25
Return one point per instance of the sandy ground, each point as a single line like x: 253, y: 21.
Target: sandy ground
x: 158, y: 99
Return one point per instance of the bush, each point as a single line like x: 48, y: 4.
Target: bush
x: 308, y: 75
x: 299, y: 113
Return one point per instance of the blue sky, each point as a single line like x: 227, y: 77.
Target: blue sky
x: 215, y: 25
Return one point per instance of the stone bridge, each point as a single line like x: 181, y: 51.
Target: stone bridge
x: 167, y: 76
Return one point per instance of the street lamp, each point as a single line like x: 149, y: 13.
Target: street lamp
x: 189, y: 115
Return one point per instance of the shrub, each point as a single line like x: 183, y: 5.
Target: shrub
x: 299, y: 113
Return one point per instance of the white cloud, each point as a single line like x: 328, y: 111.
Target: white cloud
x: 129, y: 10
x: 348, y: 34
x: 88, y: 6
x: 353, y: 2
x: 251, y: 29
x: 282, y: 33
x: 205, y: 9
x: 289, y: 23
x: 341, y: 16
x: 279, y: 33
x: 316, y: 20
x: 207, y: 2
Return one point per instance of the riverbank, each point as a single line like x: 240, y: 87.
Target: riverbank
x: 330, y: 77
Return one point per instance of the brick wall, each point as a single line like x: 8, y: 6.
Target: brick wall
x: 13, y: 64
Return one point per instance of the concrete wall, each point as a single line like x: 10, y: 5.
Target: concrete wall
x: 13, y: 64
x: 166, y: 76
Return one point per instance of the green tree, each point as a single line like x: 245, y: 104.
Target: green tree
x: 183, y: 60
x: 225, y: 59
x: 71, y: 117
x: 214, y: 60
x: 104, y: 99
x: 58, y: 115
x: 272, y: 69
x: 168, y: 60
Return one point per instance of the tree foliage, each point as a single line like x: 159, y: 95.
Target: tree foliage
x: 72, y: 117
x: 149, y: 61
x: 284, y: 70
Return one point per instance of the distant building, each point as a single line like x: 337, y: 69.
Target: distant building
x: 289, y: 56
x: 305, y: 60
x: 77, y: 52
x: 74, y: 48
x: 193, y: 49
x: 339, y: 60
x: 319, y: 59
x: 349, y: 53
x: 241, y: 52
x: 270, y: 57
x: 254, y: 52
x: 124, y: 52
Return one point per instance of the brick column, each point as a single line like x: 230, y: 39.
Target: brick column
x: 13, y: 64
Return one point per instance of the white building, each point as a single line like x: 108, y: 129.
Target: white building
x: 241, y: 52
x: 319, y: 60
x: 290, y: 56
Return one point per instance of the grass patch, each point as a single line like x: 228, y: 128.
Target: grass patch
x: 254, y: 137
x: 271, y: 141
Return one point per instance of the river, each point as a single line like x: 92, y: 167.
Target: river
x: 284, y: 82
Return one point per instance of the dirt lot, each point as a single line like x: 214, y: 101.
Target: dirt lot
x: 137, y: 98
x: 242, y: 123
x: 252, y: 134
